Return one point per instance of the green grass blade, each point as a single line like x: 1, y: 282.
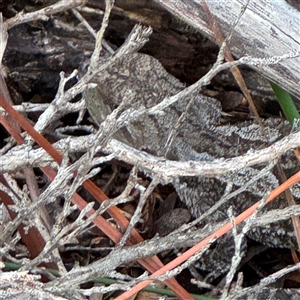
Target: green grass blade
x: 286, y: 102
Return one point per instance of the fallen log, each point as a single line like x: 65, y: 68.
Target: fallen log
x: 266, y: 29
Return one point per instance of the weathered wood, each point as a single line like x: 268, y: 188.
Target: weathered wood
x: 267, y: 28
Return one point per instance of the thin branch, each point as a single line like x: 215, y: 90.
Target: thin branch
x: 44, y: 13
x: 150, y: 164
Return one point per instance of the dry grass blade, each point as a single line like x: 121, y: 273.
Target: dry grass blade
x: 228, y: 56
